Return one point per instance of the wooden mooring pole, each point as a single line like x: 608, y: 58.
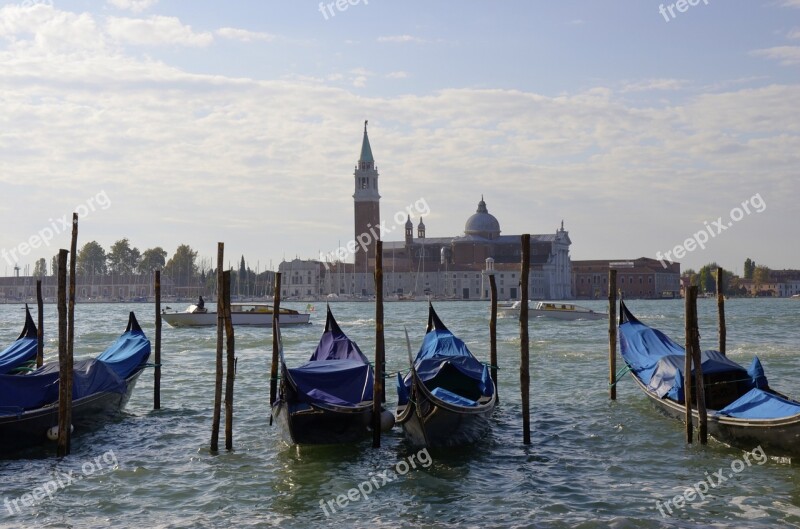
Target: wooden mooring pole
x: 39, y: 325
x: 524, y: 366
x: 689, y: 325
x: 493, y: 333
x: 378, y: 391
x: 157, y: 370
x: 64, y: 367
x: 273, y: 373
x: 699, y: 385
x: 219, y: 373
x: 723, y: 333
x: 230, y: 366
x: 612, y: 334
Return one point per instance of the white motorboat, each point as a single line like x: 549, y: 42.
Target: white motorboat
x: 553, y: 309
x: 259, y: 314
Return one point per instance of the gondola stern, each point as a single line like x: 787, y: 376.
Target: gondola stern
x: 29, y: 330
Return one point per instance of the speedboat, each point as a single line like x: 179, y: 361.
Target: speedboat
x: 554, y: 309
x: 259, y: 314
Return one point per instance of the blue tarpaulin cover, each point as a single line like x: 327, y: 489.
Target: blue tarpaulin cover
x: 441, y: 350
x: 759, y: 404
x: 127, y: 354
x: 452, y: 398
x: 337, y: 373
x: 663, y: 380
x: 16, y: 354
x: 338, y: 382
x: 659, y: 363
x: 23, y: 350
x: 40, y: 388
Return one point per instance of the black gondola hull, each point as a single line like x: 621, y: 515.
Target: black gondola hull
x: 428, y: 421
x: 777, y: 437
x: 30, y: 428
x: 311, y: 425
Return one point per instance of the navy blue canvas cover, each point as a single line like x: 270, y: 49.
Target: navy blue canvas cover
x: 19, y: 393
x: 130, y: 352
x: 16, y: 354
x: 440, y: 349
x: 659, y: 364
x: 337, y: 373
x: 23, y: 350
x: 759, y: 404
x: 668, y: 374
x: 338, y: 382
x: 26, y: 392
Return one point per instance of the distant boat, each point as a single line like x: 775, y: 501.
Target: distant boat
x: 327, y: 400
x: 448, y: 396
x: 796, y: 296
x: 553, y: 309
x: 101, y: 386
x: 20, y: 354
x: 259, y: 314
x: 743, y: 411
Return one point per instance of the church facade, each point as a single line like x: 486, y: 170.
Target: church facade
x: 421, y: 267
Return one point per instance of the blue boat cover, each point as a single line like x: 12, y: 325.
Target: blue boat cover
x: 338, y: 382
x: 759, y: 404
x: 335, y: 345
x: 16, y: 354
x: 23, y: 350
x: 128, y: 354
x: 19, y: 393
x: 667, y: 378
x: 448, y: 396
x: 659, y: 364
x: 440, y: 349
x: 337, y: 373
x: 40, y: 388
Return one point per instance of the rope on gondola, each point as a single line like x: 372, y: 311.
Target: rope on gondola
x: 621, y: 373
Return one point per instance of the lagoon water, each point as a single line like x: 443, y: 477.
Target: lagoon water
x: 592, y: 462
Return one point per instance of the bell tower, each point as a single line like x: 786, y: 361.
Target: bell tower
x: 366, y: 206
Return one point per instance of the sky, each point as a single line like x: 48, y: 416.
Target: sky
x: 644, y: 127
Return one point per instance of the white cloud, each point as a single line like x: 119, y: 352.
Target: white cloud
x: 647, y: 85
x: 79, y: 116
x: 402, y: 39
x: 155, y: 31
x: 244, y: 35
x: 136, y: 6
x: 794, y: 34
x: 787, y: 55
x: 397, y: 75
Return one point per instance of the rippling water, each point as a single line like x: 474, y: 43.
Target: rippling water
x: 592, y: 463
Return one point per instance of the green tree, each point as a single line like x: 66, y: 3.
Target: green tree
x: 749, y: 268
x: 54, y: 266
x: 40, y: 268
x: 122, y: 259
x: 760, y: 276
x: 182, y: 267
x: 152, y: 259
x: 91, y: 259
x: 705, y: 278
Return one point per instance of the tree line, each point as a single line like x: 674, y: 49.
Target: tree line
x: 732, y: 285
x: 182, y: 268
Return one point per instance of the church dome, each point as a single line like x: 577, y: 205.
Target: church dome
x: 482, y: 223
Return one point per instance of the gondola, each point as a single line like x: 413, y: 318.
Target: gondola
x: 21, y: 354
x: 743, y: 411
x: 327, y: 400
x: 448, y: 396
x: 101, y: 387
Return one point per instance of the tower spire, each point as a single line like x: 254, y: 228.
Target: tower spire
x: 366, y: 150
